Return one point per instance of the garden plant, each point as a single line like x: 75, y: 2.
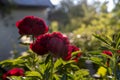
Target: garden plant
x: 51, y: 56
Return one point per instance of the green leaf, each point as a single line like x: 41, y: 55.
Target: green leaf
x: 56, y: 77
x: 73, y: 66
x: 47, y: 73
x: 42, y: 68
x: 68, y: 62
x: 6, y: 62
x: 108, y: 47
x: 101, y: 38
x: 104, y: 48
x: 58, y: 63
x: 16, y: 78
x: 47, y: 58
x: 12, y: 62
x: 81, y: 74
x: 106, y: 56
x: 24, y: 57
x: 75, y: 53
x: 29, y: 51
x: 70, y: 76
x: 96, y: 60
x: 32, y: 74
x: 117, y: 40
x: 116, y: 37
x: 18, y: 61
x: 97, y: 52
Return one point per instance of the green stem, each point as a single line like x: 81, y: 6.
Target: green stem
x: 52, y: 66
x: 115, y: 67
x: 33, y: 63
x: 33, y: 38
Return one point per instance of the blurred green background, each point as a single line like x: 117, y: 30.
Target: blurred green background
x: 81, y: 19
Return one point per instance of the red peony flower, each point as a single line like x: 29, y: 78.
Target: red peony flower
x: 72, y: 48
x: 58, y: 44
x: 13, y: 72
x: 32, y: 25
x: 40, y: 45
x: 107, y: 52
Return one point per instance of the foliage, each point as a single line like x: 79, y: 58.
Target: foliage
x: 45, y: 67
x: 72, y: 14
x: 110, y: 63
x: 101, y: 24
x: 88, y: 29
x: 39, y: 68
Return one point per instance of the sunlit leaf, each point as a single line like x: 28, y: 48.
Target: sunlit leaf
x: 6, y: 62
x: 16, y: 78
x: 101, y: 38
x: 97, y: 52
x: 96, y: 60
x: 18, y: 61
x: 56, y: 77
x: 74, y: 66
x: 32, y: 74
x: 58, y: 63
x: 75, y: 53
